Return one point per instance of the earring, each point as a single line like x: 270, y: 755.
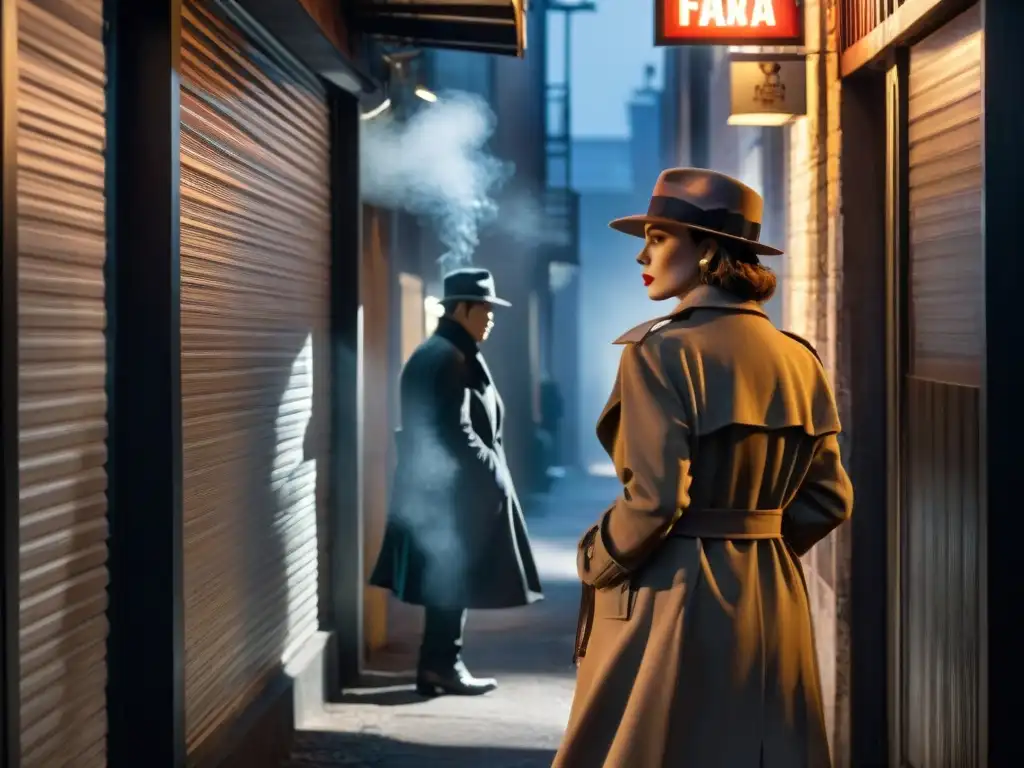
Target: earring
x: 703, y: 263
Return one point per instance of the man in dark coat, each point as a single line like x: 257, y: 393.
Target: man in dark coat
x: 455, y: 538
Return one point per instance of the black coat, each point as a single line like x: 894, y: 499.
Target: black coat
x: 455, y: 537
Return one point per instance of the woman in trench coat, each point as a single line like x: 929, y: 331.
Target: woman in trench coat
x: 695, y: 647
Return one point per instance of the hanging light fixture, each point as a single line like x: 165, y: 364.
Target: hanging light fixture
x: 424, y: 94
x: 404, y: 82
x: 380, y: 109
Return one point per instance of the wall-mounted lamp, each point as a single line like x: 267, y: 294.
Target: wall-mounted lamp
x: 762, y: 119
x: 380, y: 109
x: 424, y: 94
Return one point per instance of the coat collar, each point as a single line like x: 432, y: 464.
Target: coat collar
x: 701, y: 297
x: 454, y: 332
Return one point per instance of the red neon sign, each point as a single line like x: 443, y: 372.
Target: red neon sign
x: 729, y: 22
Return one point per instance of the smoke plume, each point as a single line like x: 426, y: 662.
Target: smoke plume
x: 436, y: 165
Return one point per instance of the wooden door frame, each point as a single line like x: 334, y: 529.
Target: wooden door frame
x: 343, y: 615
x: 10, y: 704
x: 897, y: 255
x: 863, y: 331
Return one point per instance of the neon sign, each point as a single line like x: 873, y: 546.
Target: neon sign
x: 728, y: 22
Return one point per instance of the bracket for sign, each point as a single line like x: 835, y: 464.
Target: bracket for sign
x: 788, y: 56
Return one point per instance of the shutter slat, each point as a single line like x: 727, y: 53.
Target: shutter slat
x: 945, y: 157
x: 255, y: 246
x: 62, y: 372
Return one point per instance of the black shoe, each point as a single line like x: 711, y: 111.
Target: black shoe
x: 456, y: 681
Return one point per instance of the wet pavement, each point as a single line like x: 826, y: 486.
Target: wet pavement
x: 386, y: 723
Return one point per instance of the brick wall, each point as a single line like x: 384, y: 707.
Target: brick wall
x: 812, y: 285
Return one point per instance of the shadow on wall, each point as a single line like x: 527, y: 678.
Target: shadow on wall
x: 255, y: 243
x: 362, y: 750
x: 251, y: 528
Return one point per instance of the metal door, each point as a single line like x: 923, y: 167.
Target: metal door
x: 62, y: 382
x: 255, y: 259
x: 937, y: 135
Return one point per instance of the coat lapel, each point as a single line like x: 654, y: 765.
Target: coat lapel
x: 491, y: 398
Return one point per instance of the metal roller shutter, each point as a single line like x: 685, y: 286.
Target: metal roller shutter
x: 939, y: 558
x: 944, y: 116
x: 62, y: 380
x: 255, y: 247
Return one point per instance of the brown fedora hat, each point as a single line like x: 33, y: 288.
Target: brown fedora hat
x: 704, y: 200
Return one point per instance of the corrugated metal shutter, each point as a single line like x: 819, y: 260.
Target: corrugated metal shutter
x: 939, y: 557
x: 945, y: 203
x: 255, y: 247
x: 62, y: 380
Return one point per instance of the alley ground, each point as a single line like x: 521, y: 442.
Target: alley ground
x: 387, y: 724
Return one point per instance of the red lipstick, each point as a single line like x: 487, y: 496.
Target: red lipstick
x: 648, y: 279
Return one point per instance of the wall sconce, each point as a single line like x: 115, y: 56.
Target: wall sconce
x: 380, y: 109
x: 424, y: 94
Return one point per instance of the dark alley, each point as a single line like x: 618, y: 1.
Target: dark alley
x: 334, y: 334
x: 386, y: 723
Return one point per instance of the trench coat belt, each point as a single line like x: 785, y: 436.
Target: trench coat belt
x: 734, y: 524
x: 704, y: 523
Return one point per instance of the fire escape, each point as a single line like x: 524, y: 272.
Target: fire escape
x: 560, y: 257
x: 561, y: 203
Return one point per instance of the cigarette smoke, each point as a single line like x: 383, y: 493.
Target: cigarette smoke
x: 436, y: 165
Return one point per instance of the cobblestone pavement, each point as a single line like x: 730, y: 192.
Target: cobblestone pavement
x: 528, y: 649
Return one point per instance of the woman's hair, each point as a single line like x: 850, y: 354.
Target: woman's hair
x: 735, y: 268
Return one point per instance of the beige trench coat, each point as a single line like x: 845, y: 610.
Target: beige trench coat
x: 699, y: 651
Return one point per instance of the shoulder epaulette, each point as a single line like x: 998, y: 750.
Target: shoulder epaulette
x: 805, y: 342
x: 638, y: 334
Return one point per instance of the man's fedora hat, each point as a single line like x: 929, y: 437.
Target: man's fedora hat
x: 706, y: 201
x: 471, y: 285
